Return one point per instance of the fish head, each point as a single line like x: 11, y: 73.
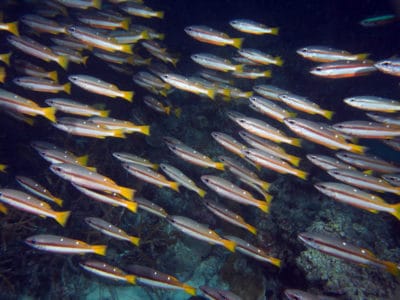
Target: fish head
x: 302, y: 51
x: 309, y: 239
x: 294, y: 294
x: 71, y: 29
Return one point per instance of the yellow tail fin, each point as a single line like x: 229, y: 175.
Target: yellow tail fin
x: 62, y: 217
x: 267, y: 74
x: 362, y: 56
x: 294, y: 160
x: 145, y: 35
x: 167, y: 110
x: 178, y: 112
x: 13, y: 28
x: 248, y: 94
x: 265, y: 185
x: 268, y: 197
x: 53, y: 76
x: 189, y: 289
x: 237, y: 43
x: 219, y: 166
x: 392, y: 268
x: 144, y: 129
x: 67, y: 88
x: 119, y: 133
x: 239, y: 68
x: 6, y: 58
x: 125, y: 24
x: 160, y: 14
x: 296, y: 142
x: 174, y: 186
x: 264, y: 206
x: 230, y: 245
x: 3, y: 209
x: 63, y: 61
x: 275, y: 261
x: 126, y: 49
x: 128, y: 96
x: 49, y: 113
x: 278, y: 61
x: 104, y: 113
x: 301, y: 174
x: 328, y: 114
x: 131, y: 279
x: 131, y: 205
x: 97, y: 4
x: 58, y: 201
x: 274, y: 31
x: 127, y: 192
x: 357, y: 148
x: 2, y: 74
x: 201, y: 193
x: 82, y: 160
x: 3, y: 168
x: 396, y: 211
x: 99, y: 249
x: 84, y: 60
x: 252, y: 229
x: 134, y: 240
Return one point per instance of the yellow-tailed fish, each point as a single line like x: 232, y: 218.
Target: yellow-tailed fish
x: 81, y: 4
x: 373, y: 103
x: 125, y: 126
x: 344, y: 69
x: 209, y: 35
x: 249, y: 72
x: 260, y: 57
x: 72, y: 55
x: 59, y: 156
x: 367, y: 129
x: 130, y: 36
x: 105, y: 270
x: 327, y: 54
x: 215, y: 62
x: 252, y: 27
x: 151, y: 207
x: 269, y: 108
x: 269, y: 91
x: 140, y: 10
x: 76, y: 108
x: 134, y: 159
x: 97, y: 20
x: 39, y: 84
x: 368, y: 162
x: 36, y: 188
x: 28, y: 68
x: 159, y: 107
x: 42, y: 25
x: 229, y: 143
x: 328, y: 163
x: 303, y: 104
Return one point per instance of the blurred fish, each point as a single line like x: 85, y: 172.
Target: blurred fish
x: 39, y: 84
x: 328, y: 163
x: 270, y: 108
x: 367, y: 129
x: 26, y: 202
x: 269, y: 91
x: 350, y: 195
x: 200, y: 231
x: 252, y: 27
x: 393, y: 179
x: 252, y: 73
x: 157, y: 279
x: 217, y: 294
x: 134, y: 159
x: 81, y: 4
x: 214, y: 62
x: 5, y: 58
x: 28, y: 68
x: 373, y: 103
x: 98, y: 86
x: 293, y: 294
x: 327, y: 54
x: 303, y: 104
x: 73, y: 55
x: 229, y: 143
x: 159, y: 107
x: 70, y: 42
x: 151, y: 207
x: 152, y: 83
x: 97, y: 20
x: 35, y: 188
x: 64, y: 245
x: 389, y: 66
x: 107, y: 271
x: 131, y: 36
x: 368, y: 162
x: 111, y: 230
x: 378, y: 20
x: 140, y: 10
x: 10, y: 27
x: 76, y: 108
x: 387, y: 119
x: 116, y: 125
x: 342, y: 249
x: 59, y: 156
x: 344, y: 69
x: 211, y: 36
x: 42, y: 25
x: 260, y: 57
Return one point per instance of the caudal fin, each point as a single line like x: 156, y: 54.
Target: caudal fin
x: 49, y: 113
x: 396, y: 211
x: 357, y: 148
x: 99, y: 249
x: 134, y: 240
x: 296, y: 142
x: 328, y: 114
x: 230, y: 245
x: 145, y: 129
x: 278, y: 61
x: 275, y: 261
x: 274, y: 30
x: 362, y: 56
x: 62, y: 217
x: 127, y: 192
x: 13, y: 28
x: 63, y: 61
x: 67, y: 88
x: 301, y: 174
x: 131, y: 279
x: 58, y: 201
x: 201, y: 193
x: 3, y: 209
x: 128, y: 95
x: 174, y: 186
x: 53, y: 76
x: 189, y: 289
x: 294, y: 160
x: 131, y: 205
x: 237, y: 43
x: 264, y: 206
x: 252, y: 229
x: 219, y: 166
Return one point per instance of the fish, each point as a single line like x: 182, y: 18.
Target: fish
x: 72, y: 55
x: 140, y: 10
x: 81, y: 4
x: 83, y: 127
x: 367, y: 129
x: 228, y: 215
x: 148, y: 175
x: 373, y: 103
x: 252, y: 27
x: 183, y: 83
x: 229, y: 143
x: 328, y: 54
x: 109, y: 198
x: 321, y: 134
x: 151, y: 207
x: 305, y: 105
x: 5, y: 58
x: 270, y: 91
x: 90, y: 179
x: 389, y: 66
x: 70, y: 43
x: 269, y: 161
x: 64, y: 245
x: 11, y: 27
x: 218, y: 294
x: 215, y: 62
x: 227, y: 189
x: 98, y: 40
x: 252, y: 73
x: 344, y: 69
x: 42, y: 25
x: 393, y: 179
x: 328, y: 163
x: 37, y: 189
x: 294, y: 294
x: 130, y: 36
x: 379, y: 20
x: 262, y: 129
x: 30, y: 69
x: 134, y: 159
x: 260, y: 57
x: 116, y: 124
x: 58, y: 155
x: 159, y: 107
x: 107, y: 271
x: 200, y: 231
x: 367, y: 162
x: 344, y: 250
x: 358, y: 198
x: 190, y: 155
x: 154, y: 278
x: 98, y: 20
x: 39, y: 84
x: 270, y: 108
x: 111, y: 230
x: 76, y: 108
x: 36, y: 49
x: 182, y: 179
x: 254, y: 252
x: 384, y: 118
x: 98, y: 86
x: 28, y: 203
x: 363, y: 180
x: 16, y: 103
x: 209, y: 35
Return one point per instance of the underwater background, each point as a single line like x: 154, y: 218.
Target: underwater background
x: 296, y: 207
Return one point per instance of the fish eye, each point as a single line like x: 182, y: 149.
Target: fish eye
x: 385, y: 64
x: 304, y: 50
x: 72, y: 28
x: 318, y: 69
x: 206, y: 180
x: 339, y: 126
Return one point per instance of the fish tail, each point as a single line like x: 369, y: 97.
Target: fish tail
x: 29, y: 121
x: 97, y: 4
x: 396, y: 211
x: 67, y: 88
x: 252, y: 229
x: 104, y: 113
x: 62, y: 217
x: 211, y: 93
x: 155, y: 167
x: 275, y: 261
x: 296, y: 142
x: 161, y: 36
x: 132, y: 206
x: 125, y: 24
x: 396, y: 190
x: 178, y: 112
x: 93, y: 169
x: 58, y: 201
x: 189, y: 289
x: 128, y: 193
x: 49, y: 113
x: 264, y: 206
x: 13, y: 28
x: 128, y: 95
x: 267, y: 74
x: 219, y: 166
x: 131, y: 279
x: 294, y: 160
x: 82, y: 160
x: 174, y: 61
x: 53, y: 76
x: 328, y: 114
x: 301, y: 174
x: 278, y: 61
x: 230, y: 245
x: 2, y: 74
x: 274, y: 30
x: 357, y: 148
x: 63, y: 61
x: 237, y: 43
x: 201, y: 193
x: 174, y: 186
x: 3, y: 168
x: 134, y: 240
x: 265, y: 185
x: 84, y: 60
x: 119, y: 133
x: 160, y: 14
x: 268, y: 197
x: 3, y: 209
x: 99, y: 249
x: 239, y: 68
x: 145, y: 35
x: 126, y: 49
x: 362, y: 56
x: 248, y: 94
x: 392, y: 267
x: 144, y: 129
x: 167, y: 110
x: 6, y: 58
